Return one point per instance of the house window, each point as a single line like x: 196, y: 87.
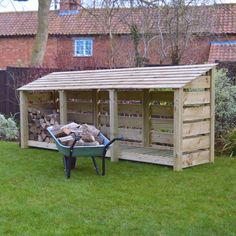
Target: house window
x: 83, y: 47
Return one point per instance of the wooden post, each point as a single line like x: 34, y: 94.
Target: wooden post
x: 178, y: 124
x: 115, y: 152
x: 63, y: 107
x: 212, y: 126
x: 95, y: 104
x: 146, y: 118
x: 24, y: 127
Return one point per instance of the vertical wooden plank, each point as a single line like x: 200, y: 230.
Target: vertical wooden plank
x: 178, y: 123
x: 95, y: 105
x: 212, y: 110
x: 146, y: 118
x: 24, y: 126
x: 113, y: 100
x: 63, y: 107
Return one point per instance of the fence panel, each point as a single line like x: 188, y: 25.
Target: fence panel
x: 3, y: 91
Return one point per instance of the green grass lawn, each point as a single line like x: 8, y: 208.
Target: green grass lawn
x: 132, y: 199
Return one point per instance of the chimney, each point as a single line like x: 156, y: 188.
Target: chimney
x: 69, y: 5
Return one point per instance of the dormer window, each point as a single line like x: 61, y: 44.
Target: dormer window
x: 69, y: 5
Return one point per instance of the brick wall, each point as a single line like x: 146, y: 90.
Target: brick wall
x: 16, y: 51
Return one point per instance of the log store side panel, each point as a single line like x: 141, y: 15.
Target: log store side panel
x: 197, y: 122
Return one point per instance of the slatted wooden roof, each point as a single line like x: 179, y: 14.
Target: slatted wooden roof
x: 130, y: 78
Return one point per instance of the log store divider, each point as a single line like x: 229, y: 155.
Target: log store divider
x: 166, y: 114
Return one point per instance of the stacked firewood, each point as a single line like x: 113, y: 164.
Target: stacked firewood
x: 86, y: 135
x: 38, y: 123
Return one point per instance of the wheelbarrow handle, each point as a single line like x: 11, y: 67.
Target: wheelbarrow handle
x: 77, y: 138
x: 105, y: 150
x: 113, y: 140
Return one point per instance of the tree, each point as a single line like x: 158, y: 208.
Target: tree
x: 179, y: 21
x: 166, y: 27
x: 40, y: 41
x: 139, y: 17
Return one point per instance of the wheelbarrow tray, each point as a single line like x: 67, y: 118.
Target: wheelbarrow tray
x: 83, y: 151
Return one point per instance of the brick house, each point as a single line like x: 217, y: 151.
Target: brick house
x: 79, y: 38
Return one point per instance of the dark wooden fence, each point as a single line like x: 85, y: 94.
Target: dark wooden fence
x: 3, y: 97
x: 13, y: 78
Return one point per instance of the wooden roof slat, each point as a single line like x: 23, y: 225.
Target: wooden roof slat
x: 42, y: 88
x: 129, y: 73
x: 137, y: 69
x: 125, y: 77
x: 108, y: 85
x: 116, y: 81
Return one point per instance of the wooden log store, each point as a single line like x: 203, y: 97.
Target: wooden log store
x: 165, y: 114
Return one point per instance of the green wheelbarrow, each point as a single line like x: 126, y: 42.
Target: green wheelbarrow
x: 70, y: 153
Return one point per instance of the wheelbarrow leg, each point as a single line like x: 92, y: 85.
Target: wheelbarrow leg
x: 103, y: 165
x: 72, y: 162
x: 95, y: 165
x: 67, y: 167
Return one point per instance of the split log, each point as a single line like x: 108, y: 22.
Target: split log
x: 80, y: 143
x: 87, y: 137
x: 66, y: 131
x: 71, y: 125
x: 43, y: 134
x: 91, y: 143
x: 90, y: 129
x: 99, y: 140
x: 67, y: 141
x: 47, y: 140
x: 31, y: 136
x: 40, y: 139
x: 33, y: 129
x: 57, y: 132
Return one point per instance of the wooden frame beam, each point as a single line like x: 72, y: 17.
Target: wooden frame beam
x: 24, y: 126
x: 146, y: 118
x: 212, y: 115
x: 178, y: 128
x: 63, y: 107
x: 95, y: 105
x: 113, y: 100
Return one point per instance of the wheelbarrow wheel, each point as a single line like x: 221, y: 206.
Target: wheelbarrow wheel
x: 67, y: 167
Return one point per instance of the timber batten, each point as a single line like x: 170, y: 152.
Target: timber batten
x: 165, y: 114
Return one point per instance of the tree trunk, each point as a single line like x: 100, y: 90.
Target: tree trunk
x: 40, y: 41
x: 136, y: 41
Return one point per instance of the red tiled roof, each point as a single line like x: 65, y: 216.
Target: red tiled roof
x: 84, y: 23
x: 218, y: 19
x: 225, y: 16
x: 222, y: 51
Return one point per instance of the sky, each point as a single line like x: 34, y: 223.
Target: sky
x: 11, y: 5
x: 32, y: 5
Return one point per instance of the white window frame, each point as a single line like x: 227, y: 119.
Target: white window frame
x: 84, y: 47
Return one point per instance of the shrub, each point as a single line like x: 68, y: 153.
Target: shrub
x: 8, y: 128
x: 228, y: 141
x: 225, y: 109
